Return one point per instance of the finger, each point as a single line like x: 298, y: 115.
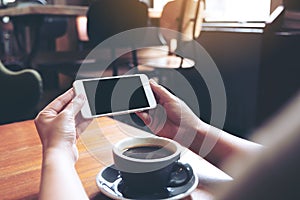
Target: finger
x: 57, y: 105
x: 161, y: 93
x: 76, y: 104
x: 81, y: 124
x: 159, y: 117
x: 145, y: 117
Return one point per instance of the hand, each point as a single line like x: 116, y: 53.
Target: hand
x: 172, y: 118
x: 60, y: 123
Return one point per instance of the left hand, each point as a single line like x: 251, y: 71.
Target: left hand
x: 60, y: 123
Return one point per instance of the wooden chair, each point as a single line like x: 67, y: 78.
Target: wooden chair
x: 180, y: 22
x: 20, y: 94
x: 106, y: 18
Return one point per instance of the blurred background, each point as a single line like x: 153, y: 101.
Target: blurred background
x: 255, y: 45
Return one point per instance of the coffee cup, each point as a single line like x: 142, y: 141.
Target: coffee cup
x: 150, y: 164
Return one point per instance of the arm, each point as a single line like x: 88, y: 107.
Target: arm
x: 58, y: 125
x: 174, y: 119
x: 225, y: 145
x: 59, y: 177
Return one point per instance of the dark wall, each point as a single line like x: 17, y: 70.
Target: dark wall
x: 237, y: 55
x: 260, y: 72
x: 280, y: 73
x: 292, y: 4
x: 280, y: 68
x: 275, y: 4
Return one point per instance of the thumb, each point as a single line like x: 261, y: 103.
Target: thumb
x: 76, y: 104
x: 161, y: 93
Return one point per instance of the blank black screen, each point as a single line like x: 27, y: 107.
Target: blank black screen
x: 114, y: 95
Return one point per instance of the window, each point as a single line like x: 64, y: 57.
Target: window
x: 159, y: 4
x: 6, y: 2
x: 237, y: 10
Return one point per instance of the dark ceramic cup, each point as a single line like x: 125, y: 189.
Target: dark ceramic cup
x: 150, y: 164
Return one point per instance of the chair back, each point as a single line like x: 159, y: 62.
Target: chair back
x: 184, y: 16
x: 20, y: 94
x: 109, y: 17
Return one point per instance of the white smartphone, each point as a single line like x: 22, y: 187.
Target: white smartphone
x: 115, y: 95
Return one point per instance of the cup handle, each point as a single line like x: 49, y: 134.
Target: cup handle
x: 180, y: 175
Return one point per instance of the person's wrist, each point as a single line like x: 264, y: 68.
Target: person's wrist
x: 202, y: 127
x: 53, y: 154
x: 198, y: 132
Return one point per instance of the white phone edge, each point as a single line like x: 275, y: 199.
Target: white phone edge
x: 86, y: 111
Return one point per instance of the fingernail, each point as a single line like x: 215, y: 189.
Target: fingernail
x: 153, y: 81
x: 81, y: 96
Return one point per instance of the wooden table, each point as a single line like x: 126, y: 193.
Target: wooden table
x: 65, y: 10
x: 21, y: 158
x: 38, y: 12
x: 59, y: 10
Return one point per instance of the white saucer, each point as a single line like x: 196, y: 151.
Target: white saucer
x: 108, y: 181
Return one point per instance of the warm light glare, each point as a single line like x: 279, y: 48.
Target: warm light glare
x: 81, y: 24
x: 159, y: 4
x: 5, y: 19
x: 237, y: 10
x: 8, y: 1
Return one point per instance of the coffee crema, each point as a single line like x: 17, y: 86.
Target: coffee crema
x: 147, y: 152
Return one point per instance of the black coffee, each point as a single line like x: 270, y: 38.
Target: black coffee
x: 147, y: 152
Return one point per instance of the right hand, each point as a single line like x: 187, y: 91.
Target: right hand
x: 172, y: 118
